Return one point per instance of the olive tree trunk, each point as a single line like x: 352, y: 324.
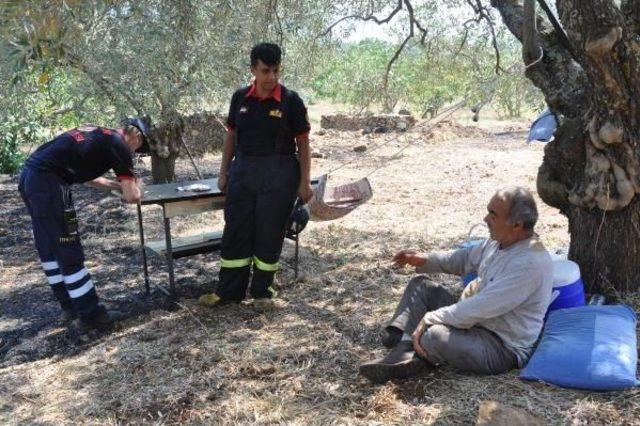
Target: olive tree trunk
x: 164, y: 141
x: 590, y: 172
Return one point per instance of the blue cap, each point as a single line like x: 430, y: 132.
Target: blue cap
x: 140, y: 125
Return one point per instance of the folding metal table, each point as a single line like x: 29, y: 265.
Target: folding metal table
x: 184, y: 203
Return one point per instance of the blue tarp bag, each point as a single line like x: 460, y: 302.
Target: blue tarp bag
x: 543, y: 127
x: 588, y: 347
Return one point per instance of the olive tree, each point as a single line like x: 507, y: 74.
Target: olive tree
x: 157, y: 59
x: 586, y: 62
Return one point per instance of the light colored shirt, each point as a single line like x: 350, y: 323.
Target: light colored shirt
x: 510, y: 296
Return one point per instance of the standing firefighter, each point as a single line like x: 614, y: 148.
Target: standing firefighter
x: 266, y: 123
x: 80, y: 155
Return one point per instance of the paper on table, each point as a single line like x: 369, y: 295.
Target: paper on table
x: 196, y: 187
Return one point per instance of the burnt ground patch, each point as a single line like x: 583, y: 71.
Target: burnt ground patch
x: 31, y: 327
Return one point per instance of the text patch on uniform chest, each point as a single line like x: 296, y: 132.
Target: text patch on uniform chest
x: 276, y: 113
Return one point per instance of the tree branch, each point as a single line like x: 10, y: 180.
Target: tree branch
x: 385, y: 80
x: 104, y: 84
x: 559, y: 76
x: 62, y: 111
x: 369, y: 17
x: 484, y: 15
x: 562, y: 36
x: 279, y: 31
x: 531, y: 50
x: 414, y: 22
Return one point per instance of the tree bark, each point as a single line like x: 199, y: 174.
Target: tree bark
x: 164, y: 140
x: 606, y: 245
x: 590, y: 171
x: 163, y: 169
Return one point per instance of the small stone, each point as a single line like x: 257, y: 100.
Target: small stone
x: 360, y: 148
x: 402, y: 126
x: 492, y: 413
x: 366, y: 131
x: 317, y: 154
x: 193, y: 352
x: 381, y: 129
x: 321, y: 132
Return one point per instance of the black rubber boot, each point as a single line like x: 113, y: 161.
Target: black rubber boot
x: 68, y: 314
x: 400, y: 363
x: 101, y: 319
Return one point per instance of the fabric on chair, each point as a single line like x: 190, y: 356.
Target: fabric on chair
x: 336, y: 202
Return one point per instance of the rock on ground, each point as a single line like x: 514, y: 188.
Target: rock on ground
x: 492, y: 413
x: 392, y: 122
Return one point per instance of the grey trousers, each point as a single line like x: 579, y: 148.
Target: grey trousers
x: 475, y: 350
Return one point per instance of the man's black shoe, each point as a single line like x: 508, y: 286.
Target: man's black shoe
x: 400, y: 363
x: 390, y: 336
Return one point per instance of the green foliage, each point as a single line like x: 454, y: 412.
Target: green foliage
x: 74, y: 61
x: 425, y: 77
x: 154, y: 57
x: 13, y: 133
x: 353, y: 75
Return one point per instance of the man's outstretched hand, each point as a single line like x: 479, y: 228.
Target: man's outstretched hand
x: 409, y: 257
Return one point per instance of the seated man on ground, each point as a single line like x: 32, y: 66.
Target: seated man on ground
x: 494, y: 325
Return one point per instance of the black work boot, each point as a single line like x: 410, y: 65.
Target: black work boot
x: 401, y: 363
x: 390, y: 336
x: 101, y: 319
x: 68, y: 314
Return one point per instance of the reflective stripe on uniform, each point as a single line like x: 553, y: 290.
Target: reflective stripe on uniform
x: 55, y: 279
x: 86, y: 287
x: 52, y: 271
x: 73, y: 278
x: 264, y: 266
x: 48, y: 266
x: 235, y: 263
x: 78, y: 284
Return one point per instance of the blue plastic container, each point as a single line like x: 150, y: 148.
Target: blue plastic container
x: 568, y: 289
x: 467, y: 244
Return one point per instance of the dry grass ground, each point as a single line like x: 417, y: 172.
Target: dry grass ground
x: 298, y: 364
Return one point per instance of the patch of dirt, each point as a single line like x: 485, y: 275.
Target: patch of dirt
x: 449, y: 129
x: 175, y: 364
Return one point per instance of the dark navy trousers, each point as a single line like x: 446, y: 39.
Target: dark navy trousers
x: 261, y: 193
x: 62, y: 257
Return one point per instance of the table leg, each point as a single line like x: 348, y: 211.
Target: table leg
x: 167, y: 238
x: 144, y: 252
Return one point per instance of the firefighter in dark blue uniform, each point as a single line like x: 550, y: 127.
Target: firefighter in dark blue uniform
x: 80, y: 155
x: 268, y: 141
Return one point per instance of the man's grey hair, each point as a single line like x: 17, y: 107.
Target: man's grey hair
x: 522, y: 206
